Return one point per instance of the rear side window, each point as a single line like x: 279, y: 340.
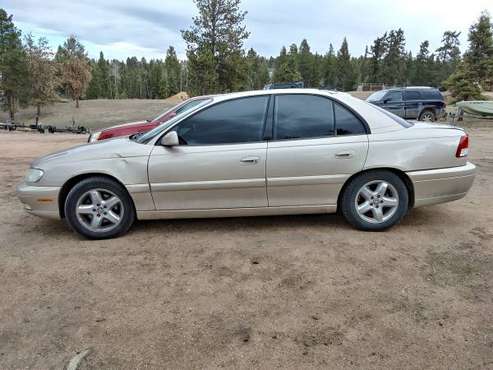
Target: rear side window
x: 431, y: 94
x: 412, y: 95
x: 231, y: 122
x: 303, y: 117
x: 346, y: 122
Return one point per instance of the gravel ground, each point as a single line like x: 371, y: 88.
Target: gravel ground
x: 292, y: 292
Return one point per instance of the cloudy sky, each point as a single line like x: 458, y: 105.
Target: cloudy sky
x: 145, y: 28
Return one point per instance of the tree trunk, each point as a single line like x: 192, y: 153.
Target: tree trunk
x: 11, y: 108
x: 38, y: 113
x: 77, y: 102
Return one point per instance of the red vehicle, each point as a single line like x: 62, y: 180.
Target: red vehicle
x: 128, y: 129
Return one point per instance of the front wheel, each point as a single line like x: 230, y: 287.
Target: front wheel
x: 375, y: 201
x: 99, y: 208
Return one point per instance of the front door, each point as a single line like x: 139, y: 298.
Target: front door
x: 393, y: 102
x: 220, y: 162
x: 318, y: 144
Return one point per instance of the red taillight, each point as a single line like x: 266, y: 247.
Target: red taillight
x: 463, y: 148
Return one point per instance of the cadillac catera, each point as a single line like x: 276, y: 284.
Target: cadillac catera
x: 271, y: 152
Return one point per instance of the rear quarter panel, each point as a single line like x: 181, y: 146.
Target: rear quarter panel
x: 415, y: 148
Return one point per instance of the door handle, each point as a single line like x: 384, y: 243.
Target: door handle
x: 344, y: 155
x: 252, y: 160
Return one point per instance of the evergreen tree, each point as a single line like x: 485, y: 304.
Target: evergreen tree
x: 14, y: 73
x: 306, y: 65
x: 214, y: 46
x: 448, y: 55
x: 173, y: 72
x: 479, y: 56
x: 329, y: 69
x: 42, y: 73
x: 378, y: 51
x: 424, y: 65
x: 76, y: 69
x: 394, y: 61
x: 462, y: 84
x: 345, y: 77
x: 257, y: 71
x: 286, y: 67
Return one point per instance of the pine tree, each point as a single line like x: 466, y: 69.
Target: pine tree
x: 214, y: 46
x: 14, y: 73
x: 329, y: 69
x: 378, y: 51
x: 286, y: 67
x: 449, y: 56
x: 424, y: 65
x: 479, y: 56
x: 394, y: 61
x: 76, y: 69
x: 42, y: 73
x: 345, y: 77
x: 173, y: 72
x: 306, y: 65
x: 462, y: 84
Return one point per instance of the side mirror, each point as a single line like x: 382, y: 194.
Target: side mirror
x: 385, y: 101
x: 170, y: 139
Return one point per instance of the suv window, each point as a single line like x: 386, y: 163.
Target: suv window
x: 303, y: 117
x: 346, y: 122
x: 412, y: 95
x: 230, y: 122
x: 431, y: 94
x: 394, y: 96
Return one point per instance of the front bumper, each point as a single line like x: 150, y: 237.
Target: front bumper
x: 39, y: 200
x: 442, y: 185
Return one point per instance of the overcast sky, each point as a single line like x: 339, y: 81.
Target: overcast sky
x: 145, y: 28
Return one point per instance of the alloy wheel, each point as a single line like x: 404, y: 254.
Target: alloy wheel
x: 99, y: 210
x: 377, y: 201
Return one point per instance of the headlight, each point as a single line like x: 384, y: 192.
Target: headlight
x: 94, y: 137
x: 33, y: 175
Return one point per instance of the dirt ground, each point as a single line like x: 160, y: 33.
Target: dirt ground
x: 294, y: 292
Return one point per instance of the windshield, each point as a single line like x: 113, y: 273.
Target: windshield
x: 195, y: 104
x: 181, y: 108
x: 376, y: 96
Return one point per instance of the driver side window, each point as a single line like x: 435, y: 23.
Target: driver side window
x: 230, y: 122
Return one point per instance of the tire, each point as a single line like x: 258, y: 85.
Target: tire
x: 99, y: 208
x: 427, y: 115
x: 383, y: 210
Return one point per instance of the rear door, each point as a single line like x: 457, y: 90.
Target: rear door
x: 412, y: 101
x: 393, y: 102
x: 220, y: 163
x: 317, y: 144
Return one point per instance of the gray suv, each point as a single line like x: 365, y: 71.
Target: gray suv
x: 421, y: 103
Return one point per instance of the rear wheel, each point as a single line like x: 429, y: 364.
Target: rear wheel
x: 375, y: 200
x: 99, y: 208
x: 427, y: 115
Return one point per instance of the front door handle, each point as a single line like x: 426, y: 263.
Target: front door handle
x: 344, y: 155
x: 252, y: 160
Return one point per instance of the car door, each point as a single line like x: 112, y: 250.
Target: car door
x: 393, y: 102
x: 220, y: 162
x: 412, y: 104
x: 317, y: 145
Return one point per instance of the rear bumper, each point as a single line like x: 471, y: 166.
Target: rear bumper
x: 39, y: 200
x: 442, y: 185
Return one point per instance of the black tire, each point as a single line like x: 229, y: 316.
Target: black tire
x: 348, y: 200
x: 428, y: 113
x: 98, y: 182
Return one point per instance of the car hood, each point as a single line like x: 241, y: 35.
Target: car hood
x: 107, y: 149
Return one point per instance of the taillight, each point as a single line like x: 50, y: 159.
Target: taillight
x: 463, y: 148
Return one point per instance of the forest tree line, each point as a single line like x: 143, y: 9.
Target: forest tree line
x: 30, y: 73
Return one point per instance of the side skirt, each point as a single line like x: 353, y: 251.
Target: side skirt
x: 236, y: 212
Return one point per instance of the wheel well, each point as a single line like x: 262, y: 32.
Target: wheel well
x: 69, y: 184
x: 402, y: 175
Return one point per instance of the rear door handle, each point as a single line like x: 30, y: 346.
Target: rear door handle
x: 343, y: 155
x: 252, y: 160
